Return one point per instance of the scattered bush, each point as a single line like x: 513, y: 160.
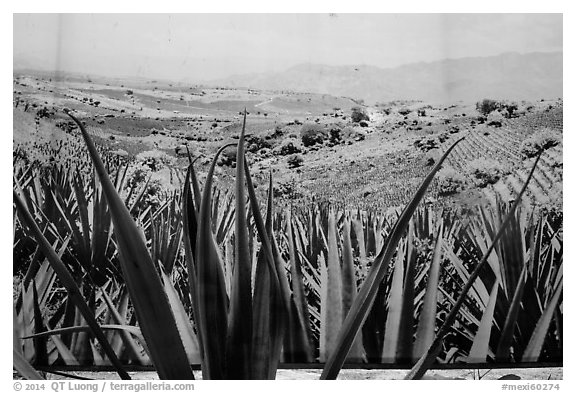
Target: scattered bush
x: 540, y: 140
x: 228, y: 156
x: 450, y: 181
x: 486, y: 171
x: 404, y: 111
x: 155, y: 159
x: 255, y: 143
x: 288, y: 190
x: 495, y: 119
x: 359, y: 114
x: 426, y: 144
x: 335, y: 135
x: 487, y: 106
x: 295, y: 161
x: 287, y: 148
x: 509, y: 109
x: 312, y: 134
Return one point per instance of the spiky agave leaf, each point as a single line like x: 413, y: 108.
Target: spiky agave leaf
x: 239, y: 338
x: 427, y: 319
x: 212, y: 303
x: 534, y: 347
x: 149, y: 299
x: 480, y: 345
x: 279, y: 281
x: 23, y: 367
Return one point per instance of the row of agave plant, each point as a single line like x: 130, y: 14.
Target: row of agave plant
x: 207, y: 279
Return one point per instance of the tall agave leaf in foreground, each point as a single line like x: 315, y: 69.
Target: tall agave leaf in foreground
x: 147, y: 293
x: 428, y: 359
x: 279, y: 284
x: 209, y: 295
x: 239, y: 340
x: 240, y: 332
x: 363, y: 302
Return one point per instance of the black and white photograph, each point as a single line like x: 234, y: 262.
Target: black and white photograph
x: 287, y: 196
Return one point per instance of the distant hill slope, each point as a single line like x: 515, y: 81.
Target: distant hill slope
x: 507, y: 76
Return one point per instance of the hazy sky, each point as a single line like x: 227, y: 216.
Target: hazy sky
x: 207, y: 46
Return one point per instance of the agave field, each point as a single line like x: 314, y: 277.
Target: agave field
x: 237, y: 285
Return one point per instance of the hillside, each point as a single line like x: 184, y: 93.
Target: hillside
x: 507, y: 76
x: 374, y: 164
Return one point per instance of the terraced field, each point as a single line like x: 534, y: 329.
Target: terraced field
x: 503, y: 145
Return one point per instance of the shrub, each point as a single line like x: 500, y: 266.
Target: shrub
x: 295, y: 161
x: 287, y: 148
x: 495, y: 119
x: 509, y: 109
x: 359, y: 114
x: 487, y: 106
x: 255, y: 143
x: 287, y: 190
x: 335, y: 135
x: 486, y: 171
x: 312, y: 134
x: 404, y: 111
x: 228, y: 156
x: 426, y: 144
x: 543, y: 139
x: 450, y: 181
x: 155, y: 159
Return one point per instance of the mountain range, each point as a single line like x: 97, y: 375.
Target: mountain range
x: 509, y: 76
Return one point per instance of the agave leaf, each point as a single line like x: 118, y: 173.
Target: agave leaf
x: 264, y: 320
x: 427, y: 360
x: 392, y: 332
x: 427, y: 320
x: 262, y: 309
x: 64, y: 352
x: 534, y: 347
x: 69, y: 283
x: 23, y: 367
x: 480, y: 345
x: 190, y: 231
x: 189, y: 339
x: 239, y: 339
x: 300, y: 313
x: 98, y: 359
x: 363, y: 302
x: 359, y: 232
x: 506, y: 337
x: 130, y: 346
x: 323, y: 305
x: 406, y: 325
x: 146, y: 290
x: 333, y: 302
x: 349, y: 288
x: 40, y: 350
x: 279, y: 280
x: 212, y: 303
